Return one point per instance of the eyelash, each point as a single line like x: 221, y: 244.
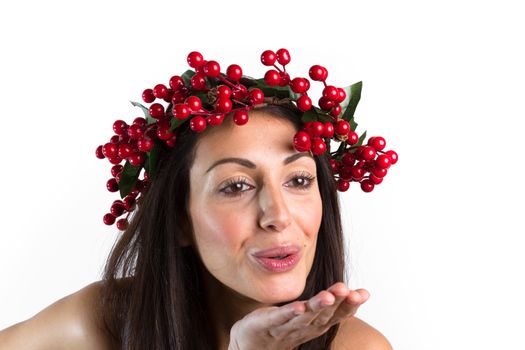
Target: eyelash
x: 242, y: 181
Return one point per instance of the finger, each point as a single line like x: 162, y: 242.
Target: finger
x: 340, y: 292
x: 350, y: 305
x: 283, y: 314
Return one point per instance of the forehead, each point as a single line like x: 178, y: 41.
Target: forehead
x: 262, y: 136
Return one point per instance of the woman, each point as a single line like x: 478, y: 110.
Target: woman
x: 237, y: 244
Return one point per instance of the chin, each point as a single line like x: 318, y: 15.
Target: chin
x: 272, y: 294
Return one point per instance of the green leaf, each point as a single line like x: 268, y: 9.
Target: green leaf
x: 149, y: 119
x: 292, y: 94
x: 310, y: 116
x: 151, y: 163
x: 176, y: 122
x: 361, y: 139
x: 355, y: 96
x: 128, y: 178
x: 187, y: 76
x: 353, y: 124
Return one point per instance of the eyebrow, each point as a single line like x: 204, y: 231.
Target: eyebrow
x: 246, y: 163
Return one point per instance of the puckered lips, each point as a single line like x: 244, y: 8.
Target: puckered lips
x: 278, y: 259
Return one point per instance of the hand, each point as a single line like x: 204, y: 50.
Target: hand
x: 293, y: 324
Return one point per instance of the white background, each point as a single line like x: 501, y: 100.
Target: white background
x: 439, y: 244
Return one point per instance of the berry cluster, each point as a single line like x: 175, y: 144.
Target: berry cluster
x: 204, y: 96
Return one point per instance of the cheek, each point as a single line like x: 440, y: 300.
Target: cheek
x: 217, y: 230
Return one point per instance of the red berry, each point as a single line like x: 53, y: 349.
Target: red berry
x: 145, y: 144
x: 325, y: 73
x: 342, y: 127
x: 358, y: 173
x: 156, y: 110
x: 368, y: 153
x: 117, y: 208
x: 375, y: 180
x: 348, y: 159
x: 318, y: 146
x: 176, y: 82
x: 181, y: 111
x: 164, y: 133
x: 304, y: 103
x: 353, y: 138
x: 135, y: 131
x: 99, y: 153
x: 326, y: 104
x: 212, y: 69
x: 379, y: 172
x: 109, y: 219
x: 240, y: 117
x: 383, y: 161
x: 223, y: 91
x: 343, y: 185
x: 129, y: 202
x: 234, y: 72
x: 194, y: 103
x: 341, y: 95
x: 316, y: 73
x: 171, y: 141
x: 268, y: 58
x: 257, y: 96
x: 119, y: 127
x: 147, y: 96
x: 114, y: 139
x: 367, y: 185
x: 316, y: 129
x: 195, y: 59
x: 109, y: 150
x: 200, y: 69
x: 330, y: 93
x: 116, y: 169
x: 198, y: 82
x: 140, y: 121
x: 160, y: 91
x: 285, y: 79
x: 198, y: 124
x: 393, y: 156
x: 136, y: 159
x: 301, y: 141
x: 239, y: 92
x: 112, y: 185
x: 115, y: 160
x: 283, y: 56
x: 272, y: 77
x: 179, y: 96
x: 215, y: 119
x: 224, y: 105
x: 336, y: 110
x: 328, y: 130
x: 299, y: 85
x: 377, y: 142
x: 125, y: 150
x: 122, y: 224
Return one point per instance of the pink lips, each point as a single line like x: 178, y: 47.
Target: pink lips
x: 278, y: 259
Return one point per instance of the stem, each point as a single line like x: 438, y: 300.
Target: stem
x: 224, y: 80
x: 279, y: 69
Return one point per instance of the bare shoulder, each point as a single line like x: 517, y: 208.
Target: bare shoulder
x: 356, y: 334
x: 69, y: 323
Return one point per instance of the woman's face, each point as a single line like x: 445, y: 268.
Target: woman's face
x: 261, y: 201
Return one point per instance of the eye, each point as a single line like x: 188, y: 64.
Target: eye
x: 233, y: 188
x: 302, y: 180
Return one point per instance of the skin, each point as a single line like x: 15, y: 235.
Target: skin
x: 273, y: 211
x: 276, y: 206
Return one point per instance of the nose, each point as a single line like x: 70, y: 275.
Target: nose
x: 274, y: 213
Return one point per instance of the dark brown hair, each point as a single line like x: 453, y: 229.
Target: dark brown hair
x: 152, y: 295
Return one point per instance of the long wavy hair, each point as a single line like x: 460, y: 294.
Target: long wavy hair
x: 152, y: 294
